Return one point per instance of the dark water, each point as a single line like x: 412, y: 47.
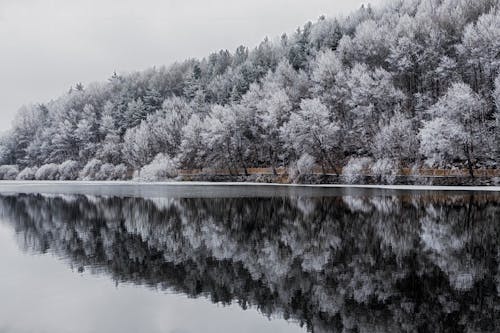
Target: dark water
x: 337, y: 262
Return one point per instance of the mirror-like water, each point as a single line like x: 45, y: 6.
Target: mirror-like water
x: 344, y: 262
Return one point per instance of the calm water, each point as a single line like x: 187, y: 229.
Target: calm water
x: 249, y: 260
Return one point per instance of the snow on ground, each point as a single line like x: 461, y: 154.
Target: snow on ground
x: 10, y: 184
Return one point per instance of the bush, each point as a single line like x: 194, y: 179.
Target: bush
x: 27, y: 174
x: 48, y: 172
x: 107, y: 172
x: 91, y: 169
x: 121, y: 172
x: 161, y: 168
x: 69, y: 170
x: 9, y: 172
x: 385, y: 170
x: 304, y: 166
x: 355, y: 169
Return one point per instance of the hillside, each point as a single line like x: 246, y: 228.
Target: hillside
x: 412, y: 84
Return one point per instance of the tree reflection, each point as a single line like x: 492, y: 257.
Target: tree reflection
x: 335, y: 264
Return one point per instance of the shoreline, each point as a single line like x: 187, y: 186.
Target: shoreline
x: 6, y: 184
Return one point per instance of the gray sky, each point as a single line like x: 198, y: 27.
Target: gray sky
x: 46, y: 46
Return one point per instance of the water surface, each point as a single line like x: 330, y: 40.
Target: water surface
x: 249, y: 260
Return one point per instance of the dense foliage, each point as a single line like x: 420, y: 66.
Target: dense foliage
x: 414, y: 82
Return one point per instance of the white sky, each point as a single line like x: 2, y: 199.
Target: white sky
x: 46, y: 46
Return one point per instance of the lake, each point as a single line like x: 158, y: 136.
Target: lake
x: 185, y: 259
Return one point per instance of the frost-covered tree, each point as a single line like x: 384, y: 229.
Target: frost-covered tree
x: 90, y: 170
x: 356, y: 168
x: 369, y: 45
x: 496, y: 127
x: 225, y: 142
x: 135, y: 113
x: 137, y: 146
x: 9, y: 172
x: 303, y: 167
x: 442, y: 141
x: 464, y: 112
x: 480, y: 49
x: 110, y: 149
x: 107, y: 124
x: 160, y: 169
x: 48, y: 172
x: 27, y: 123
x: 326, y: 34
x: 166, y: 126
x: 192, y: 150
x: 372, y: 99
x: 396, y: 140
x: 312, y: 131
x: 120, y: 172
x: 385, y: 170
x: 386, y: 77
x: 328, y: 76
x: 69, y: 170
x: 7, y: 149
x: 27, y: 174
x: 64, y: 142
x: 106, y: 172
x: 275, y: 112
x: 86, y: 133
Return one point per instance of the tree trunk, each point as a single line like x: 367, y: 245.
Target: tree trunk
x: 272, y: 159
x: 469, y: 161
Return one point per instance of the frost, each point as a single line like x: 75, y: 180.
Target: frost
x: 48, y: 172
x: 90, y: 170
x: 379, y: 84
x: 27, y: 174
x: 69, y: 170
x: 356, y: 169
x: 161, y: 168
x: 385, y: 170
x: 9, y: 172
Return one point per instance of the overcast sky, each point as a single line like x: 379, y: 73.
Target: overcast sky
x: 46, y: 46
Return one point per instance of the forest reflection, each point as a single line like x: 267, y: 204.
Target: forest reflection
x: 374, y: 263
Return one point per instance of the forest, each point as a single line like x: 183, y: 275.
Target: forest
x: 412, y: 83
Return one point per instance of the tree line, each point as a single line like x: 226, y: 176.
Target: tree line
x: 413, y: 82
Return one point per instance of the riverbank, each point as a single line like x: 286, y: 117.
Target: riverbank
x: 136, y: 187
x: 329, y: 179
